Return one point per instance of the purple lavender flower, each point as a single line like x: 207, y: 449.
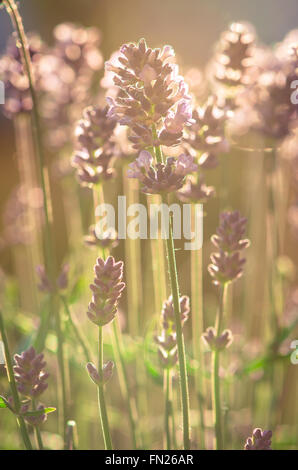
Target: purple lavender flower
x: 108, y: 239
x: 45, y: 285
x: 217, y: 343
x: 206, y: 134
x: 152, y: 94
x: 67, y: 72
x: 167, y: 340
x: 230, y: 232
x: 235, y: 55
x: 225, y: 267
x: 17, y: 93
x: 194, y: 191
x: 107, y: 289
x: 34, y: 420
x: 161, y: 177
x: 107, y: 372
x: 96, y: 147
x: 260, y: 440
x: 29, y: 373
x: 227, y: 264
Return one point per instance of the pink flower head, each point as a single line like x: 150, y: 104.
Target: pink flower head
x: 175, y: 121
x: 260, y: 440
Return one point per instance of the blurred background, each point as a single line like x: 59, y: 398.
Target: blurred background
x: 192, y: 27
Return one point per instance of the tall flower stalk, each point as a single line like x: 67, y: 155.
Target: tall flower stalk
x: 106, y: 288
x: 168, y: 355
x: 16, y: 19
x: 93, y: 157
x: 13, y: 387
x: 154, y: 103
x: 226, y: 267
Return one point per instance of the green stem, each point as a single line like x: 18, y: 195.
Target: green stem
x: 176, y: 301
x: 61, y: 364
x: 124, y: 383
x: 76, y: 330
x: 180, y: 340
x: 197, y: 331
x: 175, y: 445
x: 101, y: 397
x: 215, y: 373
x: 17, y: 22
x: 168, y: 406
x: 117, y: 343
x: 37, y: 430
x: 13, y: 387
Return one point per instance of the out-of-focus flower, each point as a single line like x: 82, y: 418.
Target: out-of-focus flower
x: 152, y: 94
x: 78, y: 46
x: 167, y: 341
x: 107, y: 372
x: 197, y: 83
x: 107, y: 288
x: 68, y: 71
x: 45, y: 285
x: 230, y: 232
x: 17, y: 91
x: 197, y: 192
x: 107, y: 239
x: 95, y: 146
x: 235, y: 55
x: 161, y: 177
x: 29, y: 373
x: 95, y: 129
x: 227, y: 264
x: 217, y: 343
x: 268, y: 105
x: 206, y: 134
x: 23, y: 215
x: 34, y: 420
x: 260, y: 440
x: 225, y: 267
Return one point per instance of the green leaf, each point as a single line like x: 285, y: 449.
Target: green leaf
x: 3, y: 402
x: 39, y: 412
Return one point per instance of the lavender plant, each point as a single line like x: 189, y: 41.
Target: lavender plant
x: 155, y: 105
x: 226, y: 267
x: 106, y: 291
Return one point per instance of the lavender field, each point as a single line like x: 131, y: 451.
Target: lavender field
x: 148, y: 229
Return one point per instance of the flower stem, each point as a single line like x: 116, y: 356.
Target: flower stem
x: 197, y: 331
x: 176, y: 302
x: 17, y: 22
x: 61, y: 364
x: 14, y: 391
x: 168, y: 407
x: 76, y: 330
x: 180, y: 340
x: 101, y: 397
x: 124, y: 384
x: 37, y: 430
x: 215, y: 373
x: 117, y: 348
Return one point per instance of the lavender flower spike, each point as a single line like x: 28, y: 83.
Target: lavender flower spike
x: 260, y: 440
x: 167, y: 340
x: 107, y: 372
x: 217, y: 343
x: 227, y: 264
x: 152, y: 94
x: 107, y: 288
x: 161, y: 177
x: 29, y: 373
